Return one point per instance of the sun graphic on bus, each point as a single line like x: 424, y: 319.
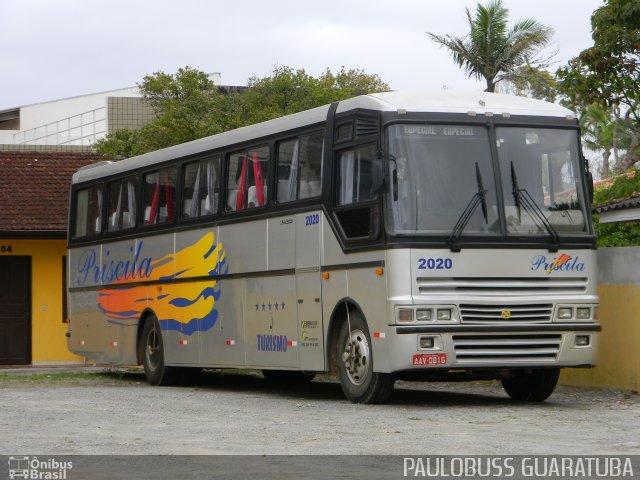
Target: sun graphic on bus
x: 186, y: 306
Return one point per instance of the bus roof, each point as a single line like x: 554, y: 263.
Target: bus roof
x: 477, y: 103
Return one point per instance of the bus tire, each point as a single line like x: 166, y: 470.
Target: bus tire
x: 288, y: 377
x: 359, y: 382
x: 155, y: 370
x: 533, y: 386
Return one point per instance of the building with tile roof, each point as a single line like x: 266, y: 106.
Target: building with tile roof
x: 620, y: 210
x: 34, y: 188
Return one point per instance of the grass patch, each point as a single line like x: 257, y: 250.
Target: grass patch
x: 64, y: 379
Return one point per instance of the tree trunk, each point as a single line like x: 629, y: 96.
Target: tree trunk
x: 605, y: 170
x: 491, y: 86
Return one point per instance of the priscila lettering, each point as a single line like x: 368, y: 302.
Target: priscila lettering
x: 134, y: 268
x: 561, y: 263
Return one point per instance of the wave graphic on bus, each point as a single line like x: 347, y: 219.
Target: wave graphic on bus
x: 186, y: 306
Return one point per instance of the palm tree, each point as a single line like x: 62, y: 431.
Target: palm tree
x: 604, y: 131
x: 490, y: 50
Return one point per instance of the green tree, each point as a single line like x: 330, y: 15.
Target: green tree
x: 288, y: 91
x: 608, y: 73
x: 491, y: 51
x: 189, y: 106
x: 604, y: 131
x: 185, y: 109
x: 532, y: 82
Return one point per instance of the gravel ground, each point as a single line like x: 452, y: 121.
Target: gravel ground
x: 229, y: 413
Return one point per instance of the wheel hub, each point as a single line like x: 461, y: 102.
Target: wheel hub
x: 356, y: 357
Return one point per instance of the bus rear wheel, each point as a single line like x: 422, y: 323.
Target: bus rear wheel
x: 531, y: 386
x: 155, y: 370
x: 359, y: 382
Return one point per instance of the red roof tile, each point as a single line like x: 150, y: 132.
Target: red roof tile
x: 34, y: 188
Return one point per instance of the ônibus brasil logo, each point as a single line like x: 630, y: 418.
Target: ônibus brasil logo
x: 33, y: 468
x: 561, y: 263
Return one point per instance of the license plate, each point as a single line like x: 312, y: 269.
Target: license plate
x: 424, y: 359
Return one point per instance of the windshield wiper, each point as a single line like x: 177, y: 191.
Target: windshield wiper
x: 477, y: 199
x: 522, y: 198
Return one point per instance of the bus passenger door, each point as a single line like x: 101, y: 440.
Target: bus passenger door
x: 309, y: 290
x: 270, y: 307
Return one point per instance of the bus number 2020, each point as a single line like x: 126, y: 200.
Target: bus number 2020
x: 435, y: 264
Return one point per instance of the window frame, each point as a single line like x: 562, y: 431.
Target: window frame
x: 276, y: 163
x: 219, y: 156
x: 143, y: 225
x: 106, y: 233
x: 267, y: 176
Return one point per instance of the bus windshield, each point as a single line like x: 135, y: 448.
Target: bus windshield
x: 446, y: 181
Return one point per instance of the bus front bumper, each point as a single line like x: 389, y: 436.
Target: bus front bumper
x: 423, y: 347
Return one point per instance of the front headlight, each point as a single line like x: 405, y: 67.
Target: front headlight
x: 583, y: 313
x: 565, y: 313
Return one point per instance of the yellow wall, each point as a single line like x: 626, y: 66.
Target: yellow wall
x: 619, y: 355
x: 48, y: 341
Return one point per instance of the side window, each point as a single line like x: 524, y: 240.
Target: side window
x: 88, y: 214
x: 357, y: 174
x: 160, y: 196
x: 300, y: 168
x: 122, y: 204
x: 200, y: 188
x: 246, y: 183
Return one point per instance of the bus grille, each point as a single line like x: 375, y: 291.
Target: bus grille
x: 506, y: 313
x: 506, y: 347
x: 502, y: 286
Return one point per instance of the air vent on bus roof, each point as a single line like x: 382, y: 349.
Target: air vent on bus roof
x: 366, y: 126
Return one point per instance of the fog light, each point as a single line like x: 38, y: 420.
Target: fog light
x: 582, y: 340
x: 405, y: 314
x: 426, y: 342
x: 583, y: 313
x: 565, y: 313
x: 423, y: 315
x: 444, y: 314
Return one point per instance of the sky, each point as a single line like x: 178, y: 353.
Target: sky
x: 57, y: 49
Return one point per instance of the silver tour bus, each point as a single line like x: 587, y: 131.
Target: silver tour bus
x: 441, y: 236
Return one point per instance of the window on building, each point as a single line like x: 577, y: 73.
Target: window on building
x: 160, y: 196
x: 200, y: 188
x: 122, y: 204
x: 300, y: 168
x: 247, y: 180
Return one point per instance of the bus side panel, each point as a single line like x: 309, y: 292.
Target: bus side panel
x: 370, y: 291
x: 270, y: 302
x: 309, y: 291
x: 223, y: 344
x: 271, y: 326
x: 87, y: 324
x: 355, y: 279
x: 181, y: 305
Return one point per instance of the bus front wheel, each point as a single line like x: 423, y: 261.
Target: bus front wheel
x: 359, y: 382
x: 155, y: 370
x: 531, y: 386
